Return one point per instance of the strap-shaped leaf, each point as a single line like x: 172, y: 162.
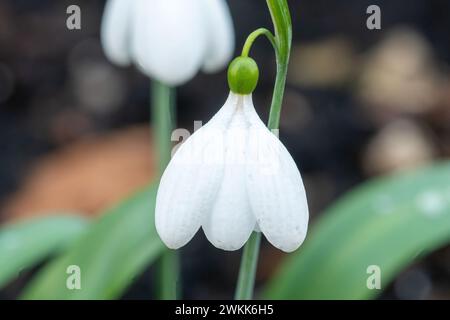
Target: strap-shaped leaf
x: 24, y: 244
x: 114, y: 251
x: 389, y: 223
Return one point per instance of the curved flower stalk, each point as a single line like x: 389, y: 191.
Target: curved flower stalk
x: 232, y: 177
x: 169, y: 40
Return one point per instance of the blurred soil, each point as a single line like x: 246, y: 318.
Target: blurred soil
x: 85, y: 177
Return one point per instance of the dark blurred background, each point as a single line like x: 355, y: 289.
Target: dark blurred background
x: 359, y: 103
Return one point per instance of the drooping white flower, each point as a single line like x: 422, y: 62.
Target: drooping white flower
x: 169, y: 40
x: 232, y: 177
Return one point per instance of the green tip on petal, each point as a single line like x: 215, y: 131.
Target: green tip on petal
x: 243, y: 75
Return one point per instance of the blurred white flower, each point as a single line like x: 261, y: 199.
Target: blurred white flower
x: 232, y: 177
x: 169, y: 40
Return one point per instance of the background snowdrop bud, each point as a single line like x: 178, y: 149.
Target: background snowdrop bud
x: 168, y: 40
x: 243, y: 75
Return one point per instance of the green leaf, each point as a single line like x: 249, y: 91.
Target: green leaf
x: 111, y: 255
x: 389, y: 222
x: 24, y: 244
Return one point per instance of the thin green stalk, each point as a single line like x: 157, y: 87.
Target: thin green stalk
x: 168, y: 271
x: 277, y: 98
x: 252, y: 37
x: 162, y: 105
x: 247, y: 271
x: 279, y: 11
x: 163, y: 110
x: 281, y: 19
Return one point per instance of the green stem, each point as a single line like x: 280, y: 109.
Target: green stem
x: 163, y: 109
x: 162, y: 105
x: 277, y: 98
x: 247, y: 271
x: 168, y: 271
x: 281, y: 19
x: 252, y: 37
x: 279, y: 11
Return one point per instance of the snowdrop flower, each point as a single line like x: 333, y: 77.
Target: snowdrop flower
x: 233, y: 177
x: 169, y: 40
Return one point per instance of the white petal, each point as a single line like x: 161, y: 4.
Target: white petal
x: 231, y: 221
x: 116, y: 31
x: 275, y: 188
x: 191, y: 181
x: 220, y: 35
x: 169, y: 41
